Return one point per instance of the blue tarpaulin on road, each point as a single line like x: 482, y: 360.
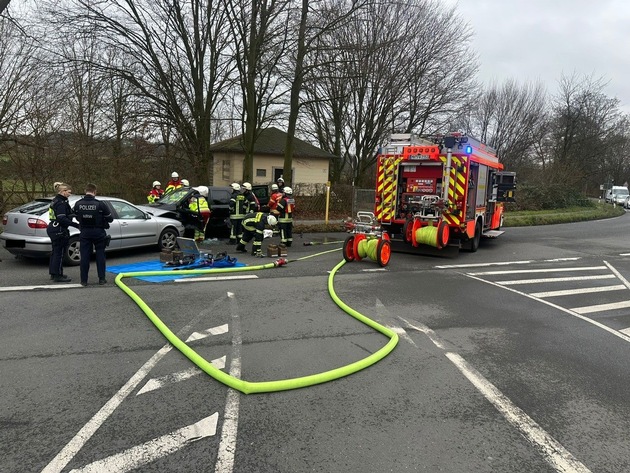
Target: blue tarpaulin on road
x: 157, y: 265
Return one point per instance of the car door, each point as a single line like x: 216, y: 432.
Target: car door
x: 135, y: 228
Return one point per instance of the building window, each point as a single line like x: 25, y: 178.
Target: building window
x: 225, y: 169
x: 261, y: 173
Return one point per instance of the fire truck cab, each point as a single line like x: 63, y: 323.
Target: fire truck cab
x: 446, y: 191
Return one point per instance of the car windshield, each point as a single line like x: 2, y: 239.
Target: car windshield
x: 622, y: 193
x: 174, y: 197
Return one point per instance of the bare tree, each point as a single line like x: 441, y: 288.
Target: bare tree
x: 511, y: 118
x: 181, y: 56
x: 260, y: 32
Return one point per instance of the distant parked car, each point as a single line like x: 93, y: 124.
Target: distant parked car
x: 25, y: 229
x: 617, y: 195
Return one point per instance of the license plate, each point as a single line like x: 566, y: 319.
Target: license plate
x: 15, y: 243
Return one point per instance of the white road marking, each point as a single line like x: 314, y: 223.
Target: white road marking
x: 625, y: 331
x: 157, y: 383
x: 152, y: 450
x: 383, y: 313
x: 590, y: 309
x: 614, y: 332
x: 546, y: 270
x: 544, y: 280
x: 31, y: 288
x: 78, y: 441
x: 66, y: 454
x: 502, y: 263
x: 372, y: 270
x: 552, y: 451
x: 206, y: 333
x: 229, y: 430
x: 217, y: 278
x: 583, y: 290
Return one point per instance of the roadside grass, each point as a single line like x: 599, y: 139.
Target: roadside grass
x: 526, y: 218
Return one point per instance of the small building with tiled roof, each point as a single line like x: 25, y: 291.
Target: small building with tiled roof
x: 310, y: 163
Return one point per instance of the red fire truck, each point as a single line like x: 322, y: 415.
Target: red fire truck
x: 444, y: 192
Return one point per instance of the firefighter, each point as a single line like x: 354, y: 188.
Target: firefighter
x: 60, y: 215
x: 238, y: 206
x: 94, y: 217
x: 199, y: 206
x: 284, y: 211
x: 280, y: 183
x: 174, y: 183
x: 253, y: 225
x: 156, y: 192
x: 185, y: 183
x: 252, y: 201
x: 274, y: 198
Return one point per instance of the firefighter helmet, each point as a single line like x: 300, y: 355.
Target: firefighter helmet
x: 203, y: 190
x: 271, y: 220
x: 236, y: 186
x: 288, y: 191
x: 274, y: 187
x: 156, y: 183
x: 247, y: 186
x: 280, y: 179
x: 185, y: 182
x: 174, y: 174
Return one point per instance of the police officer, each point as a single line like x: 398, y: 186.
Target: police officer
x: 284, y: 212
x: 60, y: 215
x: 253, y: 226
x: 238, y: 207
x: 94, y: 217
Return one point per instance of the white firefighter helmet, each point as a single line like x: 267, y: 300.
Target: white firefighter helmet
x: 236, y: 186
x: 288, y: 190
x: 203, y: 190
x: 274, y: 187
x: 247, y: 186
x: 185, y: 182
x: 271, y: 220
x: 156, y: 183
x: 174, y: 175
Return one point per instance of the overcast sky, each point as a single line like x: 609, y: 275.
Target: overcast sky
x: 540, y: 40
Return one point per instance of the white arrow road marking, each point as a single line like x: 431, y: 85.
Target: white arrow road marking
x: 141, y: 455
x: 157, y: 383
x: 206, y: 333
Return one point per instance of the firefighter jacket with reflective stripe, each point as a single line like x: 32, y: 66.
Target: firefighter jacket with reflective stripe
x: 154, y: 195
x: 172, y: 185
x: 285, y: 209
x: 255, y: 222
x: 238, y: 205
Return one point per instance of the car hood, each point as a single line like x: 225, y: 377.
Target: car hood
x: 158, y: 211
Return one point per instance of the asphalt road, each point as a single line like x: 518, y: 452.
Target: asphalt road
x: 510, y: 359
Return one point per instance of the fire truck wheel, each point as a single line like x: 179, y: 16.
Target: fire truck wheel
x: 348, y: 249
x: 383, y: 252
x: 473, y: 244
x: 407, y: 230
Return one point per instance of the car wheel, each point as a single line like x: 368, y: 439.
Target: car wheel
x: 168, y: 239
x: 72, y: 255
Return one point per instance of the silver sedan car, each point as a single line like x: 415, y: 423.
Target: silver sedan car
x: 25, y: 229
